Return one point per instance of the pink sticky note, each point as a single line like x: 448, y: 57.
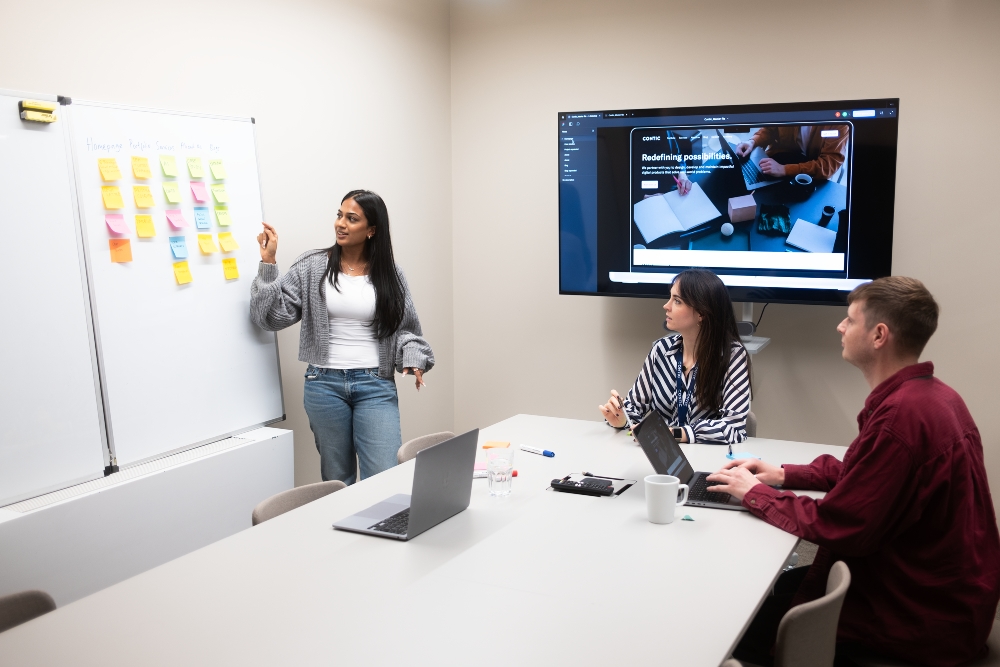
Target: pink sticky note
x: 116, y: 223
x: 479, y: 466
x: 199, y: 191
x: 176, y: 219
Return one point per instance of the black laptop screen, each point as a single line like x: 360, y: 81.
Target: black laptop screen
x: 662, y: 449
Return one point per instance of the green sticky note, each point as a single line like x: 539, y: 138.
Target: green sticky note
x: 218, y: 170
x: 222, y: 215
x: 195, y: 168
x: 172, y: 192
x: 169, y: 165
x: 219, y: 192
x: 686, y: 517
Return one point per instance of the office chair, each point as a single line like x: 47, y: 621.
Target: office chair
x: 18, y: 608
x: 751, y: 425
x: 807, y: 634
x: 288, y: 500
x: 411, y: 447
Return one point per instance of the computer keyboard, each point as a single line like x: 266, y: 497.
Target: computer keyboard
x: 396, y: 524
x: 699, y: 491
x: 752, y: 173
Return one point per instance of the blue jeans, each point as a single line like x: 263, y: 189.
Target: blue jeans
x: 352, y: 412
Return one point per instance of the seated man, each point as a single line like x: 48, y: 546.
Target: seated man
x: 909, y: 509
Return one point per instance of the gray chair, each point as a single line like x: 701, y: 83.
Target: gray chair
x: 410, y: 448
x: 288, y: 500
x: 807, y: 634
x: 751, y: 425
x: 18, y: 608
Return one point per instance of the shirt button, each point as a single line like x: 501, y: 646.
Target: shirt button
x: 753, y: 502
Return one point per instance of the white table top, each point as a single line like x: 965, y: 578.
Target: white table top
x: 515, y: 581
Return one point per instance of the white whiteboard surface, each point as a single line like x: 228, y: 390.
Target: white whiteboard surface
x: 181, y: 364
x: 50, y: 421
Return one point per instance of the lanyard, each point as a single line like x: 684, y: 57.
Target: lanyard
x: 683, y: 395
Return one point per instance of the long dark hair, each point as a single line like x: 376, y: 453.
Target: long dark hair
x: 703, y: 291
x: 389, y: 299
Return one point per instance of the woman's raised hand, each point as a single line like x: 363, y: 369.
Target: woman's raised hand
x: 268, y: 242
x: 613, y: 410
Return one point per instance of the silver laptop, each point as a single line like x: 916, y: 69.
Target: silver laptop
x: 442, y: 487
x: 663, y: 451
x: 750, y: 165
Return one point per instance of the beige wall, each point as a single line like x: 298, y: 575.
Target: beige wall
x: 516, y: 64
x: 346, y: 94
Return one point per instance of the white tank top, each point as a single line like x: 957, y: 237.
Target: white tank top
x: 353, y: 343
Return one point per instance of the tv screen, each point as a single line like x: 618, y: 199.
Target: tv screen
x: 786, y: 203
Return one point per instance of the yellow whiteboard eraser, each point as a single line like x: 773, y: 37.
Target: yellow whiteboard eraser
x: 38, y: 116
x: 36, y: 105
x: 495, y: 443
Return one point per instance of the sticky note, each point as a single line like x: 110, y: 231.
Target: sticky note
x: 741, y: 455
x: 121, y: 250
x: 116, y: 223
x: 140, y: 167
x: 218, y: 171
x: 195, y: 168
x: 144, y: 226
x: 222, y: 215
x: 178, y: 246
x: 199, y: 192
x: 109, y: 169
x: 182, y: 273
x: 169, y: 165
x: 201, y: 219
x: 230, y: 269
x: 495, y: 443
x: 172, y: 192
x: 686, y: 517
x: 112, y: 197
x: 207, y: 244
x: 227, y: 242
x: 219, y: 191
x: 176, y: 219
x: 143, y: 197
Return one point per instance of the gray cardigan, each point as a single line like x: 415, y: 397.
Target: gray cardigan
x: 299, y: 295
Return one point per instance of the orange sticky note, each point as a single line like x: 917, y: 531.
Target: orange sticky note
x: 495, y: 443
x: 227, y: 242
x: 144, y: 226
x: 109, y: 169
x: 182, y: 273
x: 140, y: 167
x: 112, y: 197
x: 230, y: 269
x: 121, y: 250
x: 143, y: 197
x: 207, y: 244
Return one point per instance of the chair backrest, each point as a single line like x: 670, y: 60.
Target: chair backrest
x: 288, y: 500
x: 410, y: 448
x: 807, y: 635
x: 751, y: 425
x: 18, y: 608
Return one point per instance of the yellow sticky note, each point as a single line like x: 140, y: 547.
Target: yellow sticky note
x: 121, y: 250
x: 172, y: 192
x: 207, y: 244
x: 182, y: 273
x: 195, y: 168
x: 227, y: 242
x: 140, y: 167
x: 230, y: 269
x: 219, y: 192
x: 496, y: 443
x: 144, y: 226
x: 109, y: 169
x: 112, y: 197
x: 222, y: 215
x: 143, y: 197
x: 218, y: 171
x: 169, y: 165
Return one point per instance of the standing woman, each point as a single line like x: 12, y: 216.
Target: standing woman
x: 699, y: 378
x: 358, y: 327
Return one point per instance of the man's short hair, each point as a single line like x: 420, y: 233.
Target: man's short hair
x: 902, y: 304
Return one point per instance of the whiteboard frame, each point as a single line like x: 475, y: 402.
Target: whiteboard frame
x: 92, y: 301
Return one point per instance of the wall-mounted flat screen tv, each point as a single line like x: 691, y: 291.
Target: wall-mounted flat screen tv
x: 787, y: 203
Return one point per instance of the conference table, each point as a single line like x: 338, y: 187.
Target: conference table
x: 537, y: 578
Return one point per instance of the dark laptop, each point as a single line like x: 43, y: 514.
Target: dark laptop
x: 750, y: 165
x: 442, y: 487
x: 665, y: 454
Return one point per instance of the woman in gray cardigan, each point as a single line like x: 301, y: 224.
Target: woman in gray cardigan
x: 359, y: 326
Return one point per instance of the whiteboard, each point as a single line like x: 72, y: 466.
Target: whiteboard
x: 50, y: 412
x: 181, y: 364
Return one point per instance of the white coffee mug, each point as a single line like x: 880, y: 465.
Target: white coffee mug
x: 661, y: 497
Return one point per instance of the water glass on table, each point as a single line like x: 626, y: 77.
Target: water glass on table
x: 500, y: 468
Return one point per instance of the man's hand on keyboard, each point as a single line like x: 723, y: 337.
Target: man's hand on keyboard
x: 766, y: 473
x: 735, y: 481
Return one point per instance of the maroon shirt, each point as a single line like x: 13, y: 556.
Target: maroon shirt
x: 909, y: 511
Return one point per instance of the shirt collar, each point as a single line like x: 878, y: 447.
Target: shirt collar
x: 892, y: 383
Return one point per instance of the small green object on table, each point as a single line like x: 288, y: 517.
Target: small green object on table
x: 687, y: 517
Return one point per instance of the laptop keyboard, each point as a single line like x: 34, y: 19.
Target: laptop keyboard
x: 699, y: 491
x: 752, y: 173
x: 396, y: 524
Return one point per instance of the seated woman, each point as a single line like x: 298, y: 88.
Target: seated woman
x: 705, y: 359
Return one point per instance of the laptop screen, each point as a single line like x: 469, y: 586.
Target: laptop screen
x: 662, y: 449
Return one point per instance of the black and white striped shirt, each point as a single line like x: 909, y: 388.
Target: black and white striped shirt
x: 656, y: 389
